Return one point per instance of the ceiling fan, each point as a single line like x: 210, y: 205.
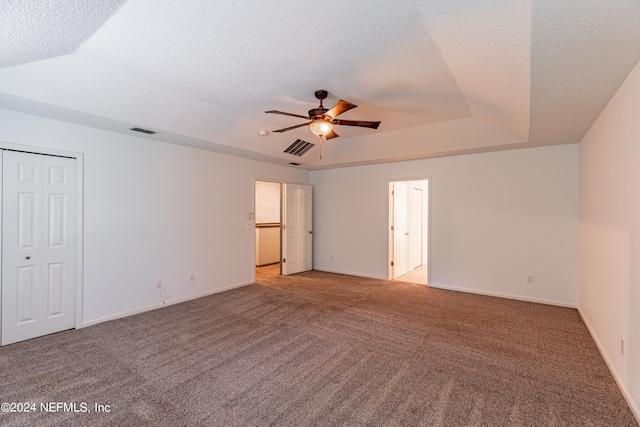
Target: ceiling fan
x: 322, y: 120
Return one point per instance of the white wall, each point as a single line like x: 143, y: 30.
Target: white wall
x: 495, y: 218
x: 154, y: 211
x: 609, y: 293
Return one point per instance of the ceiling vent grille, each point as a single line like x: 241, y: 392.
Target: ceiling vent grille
x: 299, y: 147
x: 141, y: 130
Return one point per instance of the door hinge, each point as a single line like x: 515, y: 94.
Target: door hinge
x: 393, y: 192
x: 284, y: 227
x: 392, y: 228
x: 284, y: 260
x: 391, y: 263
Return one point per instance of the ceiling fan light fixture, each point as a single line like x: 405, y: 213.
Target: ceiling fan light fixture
x: 321, y: 127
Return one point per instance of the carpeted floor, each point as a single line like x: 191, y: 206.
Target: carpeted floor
x: 321, y: 349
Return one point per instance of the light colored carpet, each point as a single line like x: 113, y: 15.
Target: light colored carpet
x: 321, y: 349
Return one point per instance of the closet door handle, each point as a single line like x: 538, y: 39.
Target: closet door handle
x: 28, y: 257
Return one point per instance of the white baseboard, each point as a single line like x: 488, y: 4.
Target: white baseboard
x: 349, y: 273
x: 160, y: 305
x: 625, y: 392
x: 501, y: 295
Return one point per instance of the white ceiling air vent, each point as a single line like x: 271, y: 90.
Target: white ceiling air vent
x: 298, y: 147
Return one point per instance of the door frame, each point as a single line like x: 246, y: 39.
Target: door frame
x: 426, y: 227
x: 400, y: 227
x: 414, y: 209
x: 253, y: 214
x: 251, y: 218
x: 79, y: 288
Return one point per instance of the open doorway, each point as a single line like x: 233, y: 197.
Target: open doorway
x: 283, y: 233
x: 268, y: 205
x: 409, y: 231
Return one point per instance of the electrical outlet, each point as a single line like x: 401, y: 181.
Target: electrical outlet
x: 158, y: 283
x: 622, y: 346
x: 531, y: 279
x: 192, y: 277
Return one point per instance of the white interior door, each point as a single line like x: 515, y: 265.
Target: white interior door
x: 416, y: 227
x: 400, y: 228
x: 21, y: 246
x: 297, y: 234
x: 38, y: 245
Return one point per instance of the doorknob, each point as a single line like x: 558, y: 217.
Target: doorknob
x: 406, y: 234
x: 28, y: 257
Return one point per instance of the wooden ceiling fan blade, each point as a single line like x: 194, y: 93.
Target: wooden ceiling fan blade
x: 331, y: 134
x: 287, y: 114
x: 360, y: 123
x: 291, y: 127
x: 340, y: 108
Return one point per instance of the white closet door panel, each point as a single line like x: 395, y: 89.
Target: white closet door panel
x: 27, y: 220
x: 55, y: 293
x: 59, y: 252
x: 57, y: 218
x: 38, y: 245
x: 21, y: 246
x: 26, y: 310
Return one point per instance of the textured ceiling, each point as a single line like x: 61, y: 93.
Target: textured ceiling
x: 444, y: 77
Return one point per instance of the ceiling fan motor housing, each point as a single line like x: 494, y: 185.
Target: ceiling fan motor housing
x: 317, y: 113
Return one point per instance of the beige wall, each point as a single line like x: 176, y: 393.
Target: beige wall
x: 153, y: 211
x: 495, y: 219
x: 609, y: 291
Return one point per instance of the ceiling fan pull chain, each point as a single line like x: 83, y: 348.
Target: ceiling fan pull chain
x: 320, y: 147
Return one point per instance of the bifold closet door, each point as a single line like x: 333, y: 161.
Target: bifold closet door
x: 38, y: 245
